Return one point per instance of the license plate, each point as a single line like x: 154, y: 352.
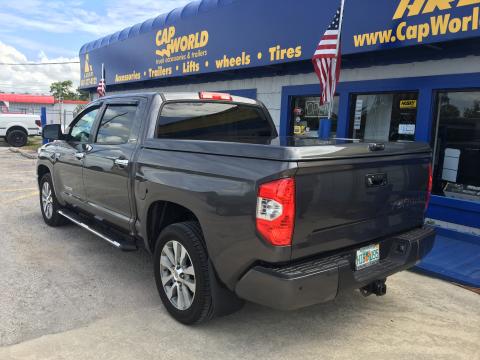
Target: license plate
x: 367, y: 256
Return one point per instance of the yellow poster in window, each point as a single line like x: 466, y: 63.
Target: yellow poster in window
x: 408, y: 104
x: 299, y: 129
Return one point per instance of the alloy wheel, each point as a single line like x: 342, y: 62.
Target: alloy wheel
x: 177, y: 275
x: 47, y: 200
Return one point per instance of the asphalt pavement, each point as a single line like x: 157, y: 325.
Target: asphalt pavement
x: 65, y: 294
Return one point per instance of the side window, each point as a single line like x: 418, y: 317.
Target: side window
x: 116, y: 124
x: 81, y: 129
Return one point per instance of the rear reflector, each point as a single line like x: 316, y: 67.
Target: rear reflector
x: 215, y: 96
x: 429, y: 186
x: 276, y: 211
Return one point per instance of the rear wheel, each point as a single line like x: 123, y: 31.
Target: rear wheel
x: 49, y: 203
x: 182, y: 273
x: 17, y: 138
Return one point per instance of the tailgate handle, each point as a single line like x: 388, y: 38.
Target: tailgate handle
x: 373, y: 180
x: 376, y: 147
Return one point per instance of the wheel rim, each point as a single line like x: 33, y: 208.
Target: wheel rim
x: 177, y: 275
x: 18, y: 139
x: 47, y: 200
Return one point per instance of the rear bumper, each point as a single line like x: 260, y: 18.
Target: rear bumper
x: 314, y: 281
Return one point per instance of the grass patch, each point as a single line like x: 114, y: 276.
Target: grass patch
x: 33, y: 143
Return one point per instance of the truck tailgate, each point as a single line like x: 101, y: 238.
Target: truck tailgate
x: 346, y: 202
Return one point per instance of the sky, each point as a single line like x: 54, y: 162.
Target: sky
x: 34, y: 31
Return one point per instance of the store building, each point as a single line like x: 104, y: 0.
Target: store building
x: 410, y: 72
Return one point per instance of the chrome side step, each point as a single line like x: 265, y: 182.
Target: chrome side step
x: 128, y: 246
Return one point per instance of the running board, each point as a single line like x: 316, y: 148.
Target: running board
x: 119, y: 244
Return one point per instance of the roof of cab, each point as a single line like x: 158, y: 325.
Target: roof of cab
x: 172, y: 96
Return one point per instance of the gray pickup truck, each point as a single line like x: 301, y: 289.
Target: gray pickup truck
x: 230, y: 210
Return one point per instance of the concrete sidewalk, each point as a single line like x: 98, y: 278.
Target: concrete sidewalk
x: 420, y: 318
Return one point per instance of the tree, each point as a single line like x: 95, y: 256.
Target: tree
x: 63, y: 90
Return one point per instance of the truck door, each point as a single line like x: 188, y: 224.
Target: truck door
x: 69, y: 155
x: 107, y: 164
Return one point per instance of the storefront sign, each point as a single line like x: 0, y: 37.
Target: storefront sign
x: 211, y: 36
x: 398, y: 23
x: 207, y: 37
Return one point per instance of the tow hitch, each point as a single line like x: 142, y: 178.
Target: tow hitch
x: 378, y: 287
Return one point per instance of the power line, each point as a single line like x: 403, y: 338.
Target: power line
x: 40, y: 64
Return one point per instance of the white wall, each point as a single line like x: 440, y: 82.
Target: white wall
x: 269, y: 89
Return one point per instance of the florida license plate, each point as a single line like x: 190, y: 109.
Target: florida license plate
x: 367, y: 256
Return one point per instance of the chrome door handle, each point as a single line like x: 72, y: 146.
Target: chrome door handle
x: 121, y: 163
x: 80, y: 155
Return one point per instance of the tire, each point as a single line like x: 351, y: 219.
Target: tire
x: 50, y: 210
x: 17, y: 138
x: 189, y: 236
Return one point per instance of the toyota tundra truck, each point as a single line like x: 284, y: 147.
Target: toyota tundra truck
x: 230, y: 211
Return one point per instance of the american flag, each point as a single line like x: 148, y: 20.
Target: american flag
x: 101, y: 89
x: 327, y: 55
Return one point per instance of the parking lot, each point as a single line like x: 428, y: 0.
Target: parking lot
x: 65, y: 294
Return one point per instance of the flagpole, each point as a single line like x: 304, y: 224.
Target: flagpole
x: 334, y: 72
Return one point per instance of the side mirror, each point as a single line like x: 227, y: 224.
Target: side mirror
x: 52, y: 132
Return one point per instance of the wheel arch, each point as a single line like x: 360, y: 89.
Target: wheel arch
x: 16, y: 127
x: 162, y: 213
x: 41, y: 171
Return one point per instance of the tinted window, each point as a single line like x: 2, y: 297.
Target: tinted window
x: 457, y: 145
x: 384, y: 117
x: 82, y: 127
x: 116, y: 124
x: 307, y: 114
x: 213, y: 121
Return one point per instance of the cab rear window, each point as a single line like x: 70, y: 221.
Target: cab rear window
x: 213, y: 121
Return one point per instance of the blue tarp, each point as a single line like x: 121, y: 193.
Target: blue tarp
x: 455, y: 257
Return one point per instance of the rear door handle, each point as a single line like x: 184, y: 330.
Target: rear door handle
x: 121, y: 163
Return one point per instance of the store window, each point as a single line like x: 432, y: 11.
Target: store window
x: 384, y: 117
x: 457, y: 145
x: 306, y: 114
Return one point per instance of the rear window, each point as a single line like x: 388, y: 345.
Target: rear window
x: 213, y: 121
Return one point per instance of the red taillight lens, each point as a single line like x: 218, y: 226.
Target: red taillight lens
x: 429, y: 186
x: 276, y: 211
x: 215, y: 96
x: 38, y: 123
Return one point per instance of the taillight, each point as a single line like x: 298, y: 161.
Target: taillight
x: 38, y: 123
x: 276, y: 211
x: 204, y: 95
x: 429, y: 186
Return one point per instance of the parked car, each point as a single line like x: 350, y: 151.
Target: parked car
x: 16, y: 128
x: 230, y: 210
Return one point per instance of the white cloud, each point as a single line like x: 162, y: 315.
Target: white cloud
x: 34, y: 79
x: 71, y: 17
x: 61, y: 17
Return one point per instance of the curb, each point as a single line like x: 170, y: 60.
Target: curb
x: 23, y: 153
